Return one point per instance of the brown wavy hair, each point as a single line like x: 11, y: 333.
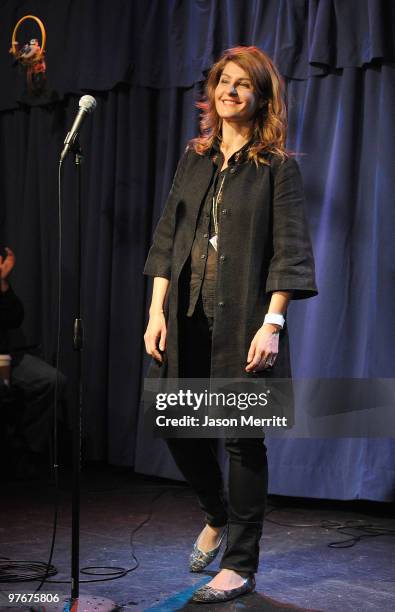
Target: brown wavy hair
x: 269, y: 129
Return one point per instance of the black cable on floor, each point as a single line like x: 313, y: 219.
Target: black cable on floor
x: 23, y: 571
x: 367, y: 530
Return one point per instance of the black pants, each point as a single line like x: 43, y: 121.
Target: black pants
x: 196, y: 459
x: 35, y: 380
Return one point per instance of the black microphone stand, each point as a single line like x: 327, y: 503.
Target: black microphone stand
x: 78, y: 342
x: 86, y: 603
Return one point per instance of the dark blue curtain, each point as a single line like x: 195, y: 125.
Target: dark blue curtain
x: 145, y: 63
x: 96, y: 45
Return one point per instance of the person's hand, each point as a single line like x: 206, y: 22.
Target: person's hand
x: 6, y: 264
x: 263, y: 349
x: 156, y: 334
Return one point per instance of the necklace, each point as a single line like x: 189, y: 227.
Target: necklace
x: 217, y: 200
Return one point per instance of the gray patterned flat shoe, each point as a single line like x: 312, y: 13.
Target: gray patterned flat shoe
x: 207, y: 594
x: 199, y: 559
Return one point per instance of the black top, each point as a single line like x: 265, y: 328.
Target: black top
x: 203, y: 254
x: 11, y: 315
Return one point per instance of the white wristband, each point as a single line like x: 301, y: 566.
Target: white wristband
x: 274, y: 319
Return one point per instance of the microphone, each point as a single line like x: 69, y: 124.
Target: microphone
x: 87, y: 104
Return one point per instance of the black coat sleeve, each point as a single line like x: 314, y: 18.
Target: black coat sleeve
x: 11, y: 310
x: 292, y: 264
x: 158, y: 262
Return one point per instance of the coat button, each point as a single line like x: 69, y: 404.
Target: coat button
x: 202, y: 256
x: 222, y: 257
x: 205, y: 235
x: 221, y: 304
x: 224, y: 211
x: 232, y: 170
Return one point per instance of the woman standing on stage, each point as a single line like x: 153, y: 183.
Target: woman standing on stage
x: 231, y: 249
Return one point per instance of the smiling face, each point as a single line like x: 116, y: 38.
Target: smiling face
x: 235, y: 99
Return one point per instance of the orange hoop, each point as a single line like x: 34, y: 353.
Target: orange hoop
x: 13, y: 49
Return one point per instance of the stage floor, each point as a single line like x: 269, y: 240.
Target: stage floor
x: 298, y: 570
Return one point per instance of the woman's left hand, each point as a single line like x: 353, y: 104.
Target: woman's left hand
x: 263, y: 349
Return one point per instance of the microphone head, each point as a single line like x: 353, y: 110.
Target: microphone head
x: 87, y: 103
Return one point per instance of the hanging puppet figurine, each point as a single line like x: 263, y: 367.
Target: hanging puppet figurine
x: 31, y: 57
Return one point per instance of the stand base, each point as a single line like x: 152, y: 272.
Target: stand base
x: 84, y: 603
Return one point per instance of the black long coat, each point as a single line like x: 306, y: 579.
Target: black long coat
x: 264, y: 246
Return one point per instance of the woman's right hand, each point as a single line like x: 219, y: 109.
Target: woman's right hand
x: 155, y: 335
